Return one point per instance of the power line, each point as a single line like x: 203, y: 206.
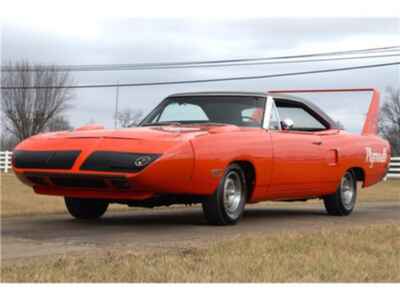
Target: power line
x: 208, y: 80
x: 209, y: 63
x: 244, y: 64
x: 250, y: 63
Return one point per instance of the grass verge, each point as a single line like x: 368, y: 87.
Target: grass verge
x: 366, y: 254
x: 18, y: 199
x: 385, y: 190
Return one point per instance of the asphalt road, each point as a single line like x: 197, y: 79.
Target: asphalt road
x: 144, y: 230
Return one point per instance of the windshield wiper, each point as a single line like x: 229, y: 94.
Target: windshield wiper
x: 174, y: 123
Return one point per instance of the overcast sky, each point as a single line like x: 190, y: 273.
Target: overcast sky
x: 74, y: 41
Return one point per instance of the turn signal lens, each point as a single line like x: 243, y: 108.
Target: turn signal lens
x: 143, y: 161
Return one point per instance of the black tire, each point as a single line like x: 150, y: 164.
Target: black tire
x: 220, y: 212
x: 339, y: 204
x: 86, y: 208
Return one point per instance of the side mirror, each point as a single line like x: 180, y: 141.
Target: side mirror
x: 287, y: 124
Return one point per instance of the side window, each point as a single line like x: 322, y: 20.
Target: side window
x: 303, y: 120
x: 182, y: 112
x: 275, y: 122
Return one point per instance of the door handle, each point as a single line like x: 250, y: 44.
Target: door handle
x: 317, y: 143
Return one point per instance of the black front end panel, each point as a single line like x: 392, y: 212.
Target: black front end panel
x: 109, y: 161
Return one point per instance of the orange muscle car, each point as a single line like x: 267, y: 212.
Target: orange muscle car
x: 221, y: 149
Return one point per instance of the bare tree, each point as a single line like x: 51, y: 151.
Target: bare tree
x: 7, y: 141
x: 129, y: 117
x: 27, y: 112
x: 58, y: 123
x: 339, y: 125
x: 389, y: 123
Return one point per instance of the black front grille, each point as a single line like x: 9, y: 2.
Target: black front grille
x: 78, y: 182
x: 37, y: 180
x: 45, y: 159
x: 121, y: 184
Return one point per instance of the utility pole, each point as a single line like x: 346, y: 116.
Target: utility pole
x: 116, y: 106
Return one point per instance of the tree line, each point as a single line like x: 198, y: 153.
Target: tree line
x: 389, y: 122
x: 27, y: 112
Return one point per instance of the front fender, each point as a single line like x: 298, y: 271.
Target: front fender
x: 213, y: 153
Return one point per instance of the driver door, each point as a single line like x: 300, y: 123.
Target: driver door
x: 297, y: 161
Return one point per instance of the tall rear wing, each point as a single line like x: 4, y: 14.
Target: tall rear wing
x: 371, y: 121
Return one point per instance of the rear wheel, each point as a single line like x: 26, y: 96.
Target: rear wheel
x: 343, y: 201
x: 226, y: 206
x: 86, y: 208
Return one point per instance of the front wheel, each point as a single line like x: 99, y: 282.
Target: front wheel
x: 86, y: 208
x: 226, y: 206
x: 343, y: 201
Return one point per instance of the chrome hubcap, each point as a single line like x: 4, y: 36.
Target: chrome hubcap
x: 347, y: 190
x: 232, y: 193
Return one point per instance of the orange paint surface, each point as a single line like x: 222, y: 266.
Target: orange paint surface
x: 287, y: 164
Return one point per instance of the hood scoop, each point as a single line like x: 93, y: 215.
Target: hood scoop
x: 90, y: 127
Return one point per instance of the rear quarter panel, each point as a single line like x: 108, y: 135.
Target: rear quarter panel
x: 353, y: 152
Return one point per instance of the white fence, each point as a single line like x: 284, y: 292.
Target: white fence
x: 5, y: 161
x: 6, y: 156
x: 394, y: 168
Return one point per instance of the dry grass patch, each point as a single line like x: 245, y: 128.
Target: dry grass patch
x: 369, y: 254
x: 18, y: 199
x: 385, y: 190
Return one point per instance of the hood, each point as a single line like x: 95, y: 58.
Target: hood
x: 162, y: 133
x: 154, y: 139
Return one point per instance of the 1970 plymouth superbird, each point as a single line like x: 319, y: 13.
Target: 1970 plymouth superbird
x: 221, y: 149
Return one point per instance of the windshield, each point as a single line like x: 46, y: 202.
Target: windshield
x: 247, y: 111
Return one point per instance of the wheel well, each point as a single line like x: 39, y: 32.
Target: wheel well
x: 359, y: 173
x: 250, y: 175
